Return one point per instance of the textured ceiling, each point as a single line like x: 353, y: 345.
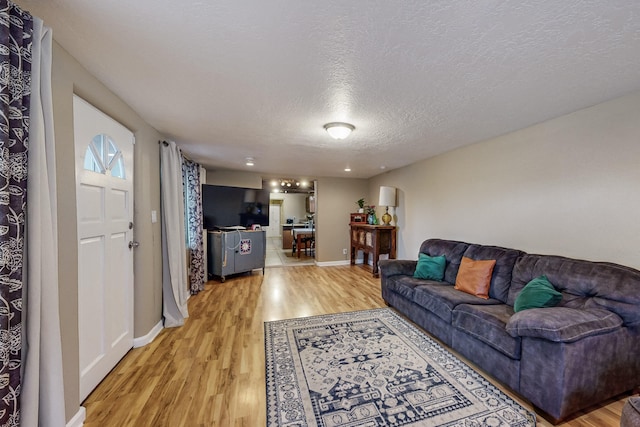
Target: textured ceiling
x: 233, y: 79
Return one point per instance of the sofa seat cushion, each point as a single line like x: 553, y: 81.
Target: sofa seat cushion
x: 562, y: 324
x: 442, y: 298
x: 488, y: 323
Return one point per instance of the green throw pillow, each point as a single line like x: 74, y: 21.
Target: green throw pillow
x: 538, y: 293
x: 430, y: 268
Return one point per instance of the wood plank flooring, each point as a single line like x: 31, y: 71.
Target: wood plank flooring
x: 210, y: 372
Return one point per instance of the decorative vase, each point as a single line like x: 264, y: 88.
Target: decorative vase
x: 370, y: 219
x: 361, y: 210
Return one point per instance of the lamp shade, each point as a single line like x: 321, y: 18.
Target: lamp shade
x: 387, y: 196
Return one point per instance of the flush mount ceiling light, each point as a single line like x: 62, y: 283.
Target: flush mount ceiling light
x: 339, y: 130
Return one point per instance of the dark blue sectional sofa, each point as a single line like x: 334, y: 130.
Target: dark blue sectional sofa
x: 563, y: 358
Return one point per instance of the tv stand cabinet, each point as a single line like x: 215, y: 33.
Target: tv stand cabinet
x: 238, y: 251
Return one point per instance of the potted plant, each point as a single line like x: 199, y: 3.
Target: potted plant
x: 360, y: 204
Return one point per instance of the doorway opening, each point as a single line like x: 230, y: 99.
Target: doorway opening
x: 292, y: 207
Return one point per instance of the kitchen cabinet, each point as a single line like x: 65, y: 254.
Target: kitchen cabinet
x: 287, y: 236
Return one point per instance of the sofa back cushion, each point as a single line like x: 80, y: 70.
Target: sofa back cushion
x: 451, y: 249
x: 505, y: 260
x: 584, y: 284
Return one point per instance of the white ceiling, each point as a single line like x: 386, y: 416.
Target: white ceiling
x: 230, y: 79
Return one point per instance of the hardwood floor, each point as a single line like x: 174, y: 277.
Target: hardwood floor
x: 210, y: 372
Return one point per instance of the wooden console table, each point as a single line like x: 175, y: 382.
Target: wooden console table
x: 374, y: 240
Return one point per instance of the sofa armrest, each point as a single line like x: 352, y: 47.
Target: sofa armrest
x: 562, y: 324
x: 394, y: 267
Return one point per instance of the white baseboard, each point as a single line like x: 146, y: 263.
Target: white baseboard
x: 78, y: 418
x: 359, y: 260
x: 153, y: 333
x: 332, y: 263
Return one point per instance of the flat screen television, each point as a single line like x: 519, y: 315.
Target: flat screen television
x: 224, y: 206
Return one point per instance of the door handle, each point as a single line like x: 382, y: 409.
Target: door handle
x: 133, y: 244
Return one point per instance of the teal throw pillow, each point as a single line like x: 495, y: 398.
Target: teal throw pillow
x: 430, y: 268
x: 538, y: 293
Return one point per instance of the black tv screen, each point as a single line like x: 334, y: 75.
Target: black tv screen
x: 234, y: 206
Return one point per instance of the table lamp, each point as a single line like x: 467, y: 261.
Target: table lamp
x: 387, y: 198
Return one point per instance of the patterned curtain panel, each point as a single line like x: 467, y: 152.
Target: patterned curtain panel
x: 16, y: 30
x: 193, y: 219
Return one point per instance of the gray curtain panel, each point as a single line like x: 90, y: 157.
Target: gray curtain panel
x: 42, y: 392
x: 174, y: 266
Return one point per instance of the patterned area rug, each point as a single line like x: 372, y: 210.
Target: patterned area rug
x: 373, y: 368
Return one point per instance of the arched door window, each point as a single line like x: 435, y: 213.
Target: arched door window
x: 103, y: 155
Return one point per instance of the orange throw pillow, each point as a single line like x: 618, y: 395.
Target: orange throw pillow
x: 474, y: 277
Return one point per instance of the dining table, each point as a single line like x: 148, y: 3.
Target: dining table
x: 299, y: 234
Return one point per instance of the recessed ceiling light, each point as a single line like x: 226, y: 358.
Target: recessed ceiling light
x: 383, y: 167
x: 249, y: 161
x: 347, y: 169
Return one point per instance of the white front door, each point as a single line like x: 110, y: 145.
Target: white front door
x: 104, y: 191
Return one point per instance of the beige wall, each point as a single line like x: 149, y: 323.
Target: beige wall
x: 567, y: 186
x: 68, y: 77
x: 295, y: 206
x: 233, y: 178
x: 336, y: 200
